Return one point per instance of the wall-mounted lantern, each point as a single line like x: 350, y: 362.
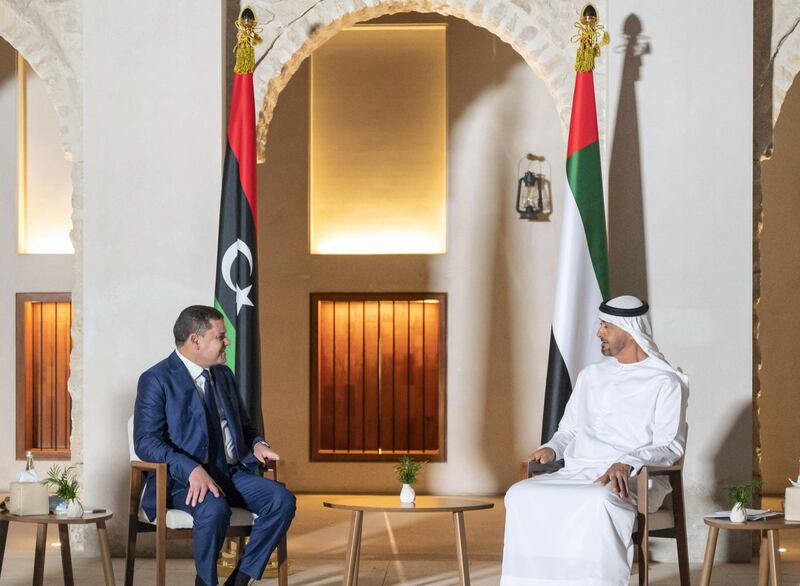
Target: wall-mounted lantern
x: 533, y: 194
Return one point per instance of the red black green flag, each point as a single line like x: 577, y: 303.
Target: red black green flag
x: 236, y: 290
x: 582, y: 281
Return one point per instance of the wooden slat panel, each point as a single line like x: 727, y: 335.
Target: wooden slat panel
x: 401, y: 375
x: 431, y: 368
x: 371, y: 387
x: 28, y: 345
x: 36, y: 371
x: 63, y: 322
x: 416, y: 376
x: 47, y: 367
x: 356, y: 367
x: 325, y: 375
x: 386, y: 375
x: 341, y: 331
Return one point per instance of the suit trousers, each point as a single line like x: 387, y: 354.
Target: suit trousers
x: 272, y: 502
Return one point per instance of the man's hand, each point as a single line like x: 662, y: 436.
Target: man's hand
x: 263, y: 453
x: 618, y: 475
x: 542, y: 455
x: 200, y: 483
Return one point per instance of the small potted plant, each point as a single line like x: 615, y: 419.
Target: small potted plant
x: 407, y: 470
x: 742, y: 497
x: 65, y: 483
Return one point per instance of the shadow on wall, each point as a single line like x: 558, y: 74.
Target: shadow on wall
x: 626, y: 238
x: 731, y: 468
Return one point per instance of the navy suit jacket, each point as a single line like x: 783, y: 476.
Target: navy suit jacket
x: 169, y: 424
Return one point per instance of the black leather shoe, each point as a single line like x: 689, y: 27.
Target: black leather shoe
x: 238, y: 578
x: 199, y: 581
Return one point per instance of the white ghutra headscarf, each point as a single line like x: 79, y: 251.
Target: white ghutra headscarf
x: 630, y: 314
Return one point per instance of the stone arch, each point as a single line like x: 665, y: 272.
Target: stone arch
x: 27, y: 30
x: 786, y: 63
x: 538, y: 30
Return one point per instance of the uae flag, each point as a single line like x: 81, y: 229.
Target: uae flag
x: 582, y: 281
x: 236, y: 290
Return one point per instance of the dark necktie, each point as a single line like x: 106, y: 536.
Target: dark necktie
x: 216, y: 444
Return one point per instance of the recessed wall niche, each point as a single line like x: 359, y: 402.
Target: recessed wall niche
x: 43, y: 173
x: 378, y: 134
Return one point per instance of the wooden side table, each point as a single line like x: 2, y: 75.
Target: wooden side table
x: 769, y: 565
x: 99, y: 519
x: 391, y: 504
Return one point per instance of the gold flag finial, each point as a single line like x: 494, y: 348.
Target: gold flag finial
x: 590, y: 37
x: 247, y: 38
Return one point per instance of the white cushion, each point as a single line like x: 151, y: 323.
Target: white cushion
x: 177, y: 519
x: 134, y: 457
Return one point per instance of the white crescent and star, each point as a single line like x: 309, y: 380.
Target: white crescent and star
x: 242, y: 295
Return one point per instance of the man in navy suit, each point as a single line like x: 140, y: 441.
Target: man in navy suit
x: 189, y: 414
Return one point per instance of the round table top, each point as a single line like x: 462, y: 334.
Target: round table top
x: 101, y: 515
x: 762, y: 525
x: 392, y: 504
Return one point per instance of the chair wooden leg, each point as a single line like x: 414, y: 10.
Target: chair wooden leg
x: 130, y: 551
x: 38, y: 562
x: 161, y: 555
x: 283, y: 566
x: 708, y: 560
x: 3, y: 535
x: 66, y: 556
x: 644, y: 552
x: 161, y: 528
x: 679, y: 516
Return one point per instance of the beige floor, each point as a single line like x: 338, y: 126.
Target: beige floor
x: 412, y: 550
x: 374, y: 572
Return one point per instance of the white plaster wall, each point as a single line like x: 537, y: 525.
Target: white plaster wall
x: 153, y: 151
x: 21, y: 272
x: 695, y: 127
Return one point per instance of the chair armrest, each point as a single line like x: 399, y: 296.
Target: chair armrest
x: 662, y: 470
x: 147, y: 466
x: 531, y: 468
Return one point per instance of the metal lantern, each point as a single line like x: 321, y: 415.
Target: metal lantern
x: 531, y: 203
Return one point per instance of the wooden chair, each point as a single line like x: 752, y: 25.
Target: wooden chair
x: 176, y: 524
x: 668, y: 521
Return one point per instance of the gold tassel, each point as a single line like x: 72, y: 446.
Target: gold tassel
x: 247, y: 38
x: 590, y: 37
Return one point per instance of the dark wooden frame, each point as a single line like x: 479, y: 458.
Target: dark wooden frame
x: 643, y: 533
x: 21, y: 299
x: 139, y: 470
x: 314, y: 455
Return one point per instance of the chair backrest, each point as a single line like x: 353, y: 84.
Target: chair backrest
x: 134, y: 457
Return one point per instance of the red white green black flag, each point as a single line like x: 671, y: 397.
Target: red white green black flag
x: 236, y: 290
x: 582, y: 281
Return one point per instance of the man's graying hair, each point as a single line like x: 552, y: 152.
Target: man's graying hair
x: 193, y: 320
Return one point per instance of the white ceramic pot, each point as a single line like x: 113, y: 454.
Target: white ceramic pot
x: 74, y: 508
x: 738, y: 514
x: 407, y: 494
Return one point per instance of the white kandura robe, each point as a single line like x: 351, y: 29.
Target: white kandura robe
x: 563, y: 528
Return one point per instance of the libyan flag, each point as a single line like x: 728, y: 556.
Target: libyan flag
x: 582, y: 281
x: 236, y: 290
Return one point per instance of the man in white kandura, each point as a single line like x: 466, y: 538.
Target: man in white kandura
x: 574, y: 526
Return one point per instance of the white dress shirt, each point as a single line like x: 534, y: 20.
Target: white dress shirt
x: 196, y: 372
